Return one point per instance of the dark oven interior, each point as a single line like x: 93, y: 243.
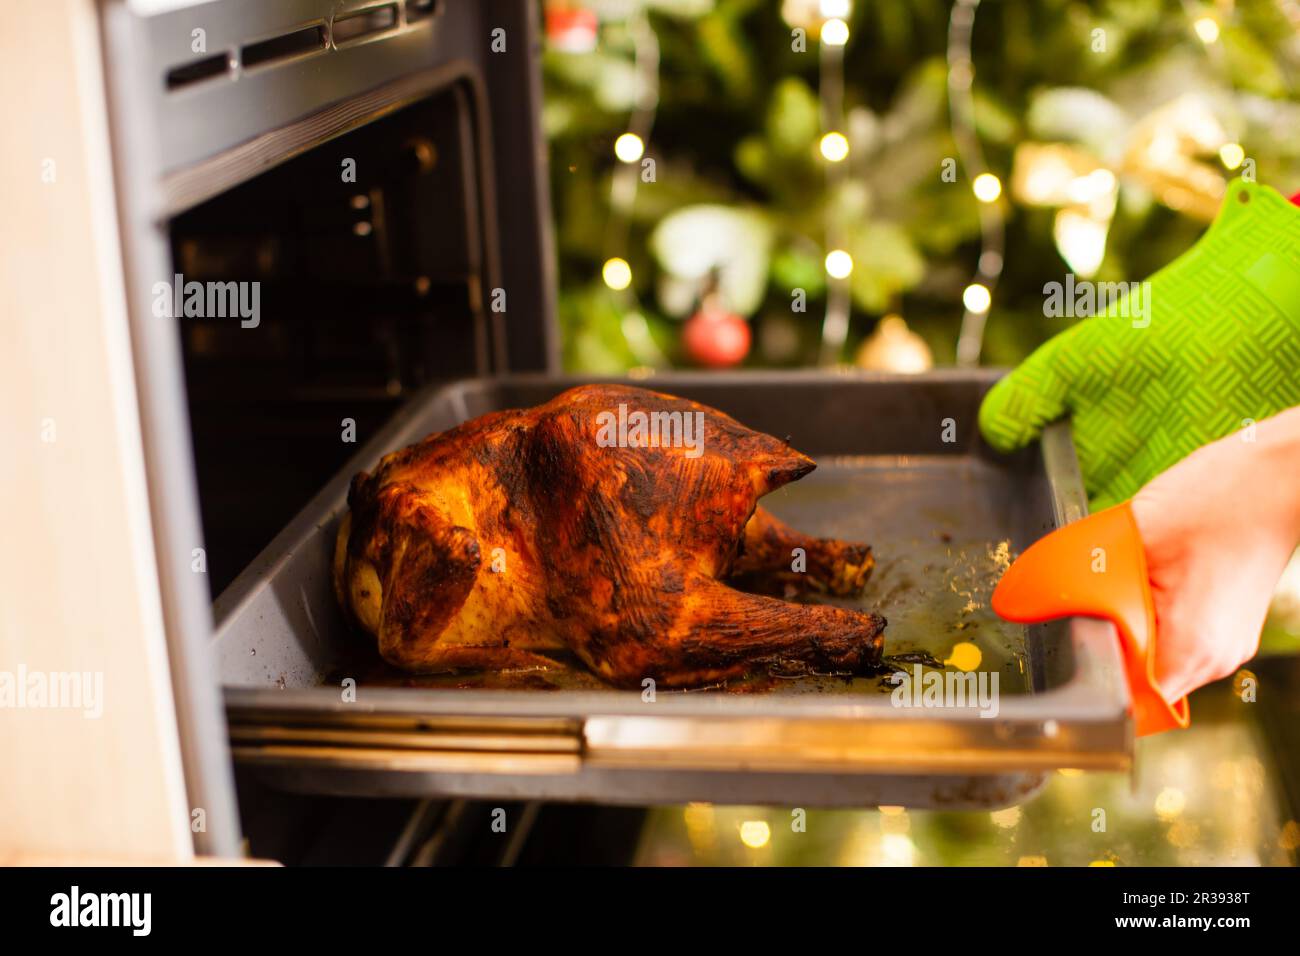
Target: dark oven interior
x: 370, y: 285
x: 368, y: 289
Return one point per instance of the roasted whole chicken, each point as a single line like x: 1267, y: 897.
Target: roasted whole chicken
x: 607, y: 521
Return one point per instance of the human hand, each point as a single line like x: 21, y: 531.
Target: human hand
x: 1217, y: 348
x: 1185, y: 569
x: 1218, y: 528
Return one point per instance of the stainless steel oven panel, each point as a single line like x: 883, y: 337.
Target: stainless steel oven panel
x: 178, y: 140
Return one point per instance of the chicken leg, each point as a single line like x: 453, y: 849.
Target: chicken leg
x: 775, y: 557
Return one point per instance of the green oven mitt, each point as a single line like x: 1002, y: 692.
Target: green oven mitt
x: 1208, y: 345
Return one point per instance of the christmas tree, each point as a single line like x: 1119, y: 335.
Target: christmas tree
x: 826, y: 181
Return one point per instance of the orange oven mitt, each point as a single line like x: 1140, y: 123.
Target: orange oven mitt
x: 1096, y: 567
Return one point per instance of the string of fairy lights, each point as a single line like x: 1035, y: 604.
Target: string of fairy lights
x: 1161, y: 157
x: 978, y: 295
x: 833, y: 35
x: 629, y: 150
x: 828, y: 20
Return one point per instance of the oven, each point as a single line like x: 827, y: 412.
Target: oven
x: 337, y: 236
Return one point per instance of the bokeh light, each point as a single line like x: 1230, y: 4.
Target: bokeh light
x: 839, y: 264
x: 834, y: 147
x: 835, y: 32
x: 987, y: 187
x: 977, y: 298
x: 617, y: 274
x: 629, y: 147
x: 1232, y: 155
x: 755, y: 834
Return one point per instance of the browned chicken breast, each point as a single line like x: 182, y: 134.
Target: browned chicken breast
x: 606, y: 521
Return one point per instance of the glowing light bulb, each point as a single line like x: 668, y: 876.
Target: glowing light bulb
x: 987, y: 187
x: 834, y: 146
x: 629, y: 147
x: 976, y: 298
x: 839, y: 264
x: 1232, y: 155
x: 838, y: 9
x: 698, y: 817
x: 1097, y: 184
x: 617, y: 274
x: 1006, y: 819
x: 835, y: 32
x: 1170, y: 803
x: 755, y: 834
x: 897, y: 849
x: 1081, y: 240
x: 1207, y: 28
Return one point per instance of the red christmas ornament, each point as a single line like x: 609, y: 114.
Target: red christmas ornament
x: 715, y: 337
x: 571, y: 29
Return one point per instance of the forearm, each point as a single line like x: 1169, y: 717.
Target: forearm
x: 1278, y: 439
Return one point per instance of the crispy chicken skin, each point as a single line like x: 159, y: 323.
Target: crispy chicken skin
x: 519, y: 532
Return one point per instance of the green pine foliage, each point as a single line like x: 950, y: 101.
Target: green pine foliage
x: 738, y: 123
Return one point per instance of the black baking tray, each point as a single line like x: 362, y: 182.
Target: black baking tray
x: 900, y: 466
